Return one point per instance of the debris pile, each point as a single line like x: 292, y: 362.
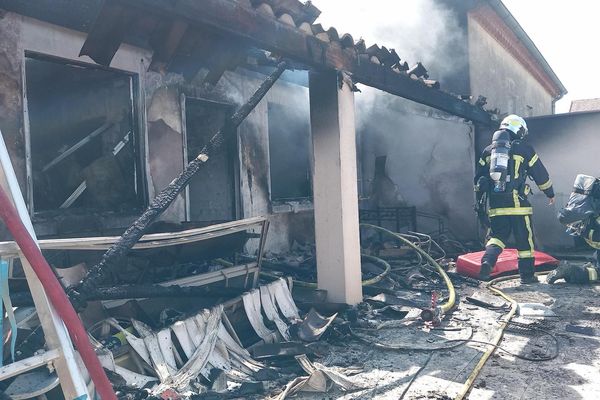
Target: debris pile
x: 278, y: 336
x: 203, y: 352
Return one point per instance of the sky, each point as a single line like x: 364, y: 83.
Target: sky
x: 564, y: 31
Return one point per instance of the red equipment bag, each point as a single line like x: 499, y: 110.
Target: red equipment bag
x: 470, y: 264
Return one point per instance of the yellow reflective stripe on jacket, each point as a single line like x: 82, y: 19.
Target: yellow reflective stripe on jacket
x: 496, y: 242
x: 590, y: 240
x: 592, y: 274
x: 495, y: 212
x: 481, y: 162
x: 525, y: 254
x: 518, y: 161
x: 546, y: 185
x: 594, y: 245
x: 516, y: 199
x: 533, y: 160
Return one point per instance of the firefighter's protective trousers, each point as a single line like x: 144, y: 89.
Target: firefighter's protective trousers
x: 521, y: 228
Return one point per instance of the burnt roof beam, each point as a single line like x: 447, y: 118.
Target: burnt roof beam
x: 166, y: 45
x: 270, y: 34
x: 227, y: 58
x: 107, y: 33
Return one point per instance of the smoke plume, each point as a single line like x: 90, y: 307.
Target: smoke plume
x: 419, y: 30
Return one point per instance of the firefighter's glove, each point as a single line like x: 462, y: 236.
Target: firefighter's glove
x: 483, y: 184
x: 574, y: 273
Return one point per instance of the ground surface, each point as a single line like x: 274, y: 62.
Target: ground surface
x: 573, y: 374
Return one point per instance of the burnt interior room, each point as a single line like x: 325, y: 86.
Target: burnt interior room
x: 84, y: 149
x: 289, y: 152
x: 212, y: 194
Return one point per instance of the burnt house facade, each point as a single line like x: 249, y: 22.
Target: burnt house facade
x: 92, y: 144
x: 96, y: 142
x: 104, y: 103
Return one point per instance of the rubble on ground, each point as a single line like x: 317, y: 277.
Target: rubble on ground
x: 280, y: 337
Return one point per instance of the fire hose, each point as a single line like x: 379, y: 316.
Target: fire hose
x: 367, y: 282
x: 439, y: 311
x: 427, y: 314
x: 495, y: 343
x: 57, y: 296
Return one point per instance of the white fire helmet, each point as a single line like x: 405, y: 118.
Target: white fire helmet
x: 516, y: 125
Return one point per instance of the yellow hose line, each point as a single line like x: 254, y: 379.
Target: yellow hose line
x: 447, y: 306
x: 513, y: 309
x: 386, y: 270
x: 376, y: 260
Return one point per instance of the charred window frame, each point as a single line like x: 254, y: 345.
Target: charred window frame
x: 289, y: 153
x: 106, y: 146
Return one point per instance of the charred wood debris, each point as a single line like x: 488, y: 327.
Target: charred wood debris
x: 238, y: 341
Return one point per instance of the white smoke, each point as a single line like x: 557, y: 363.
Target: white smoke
x: 416, y: 139
x: 419, y: 30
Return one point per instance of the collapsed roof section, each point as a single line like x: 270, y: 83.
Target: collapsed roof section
x: 187, y: 35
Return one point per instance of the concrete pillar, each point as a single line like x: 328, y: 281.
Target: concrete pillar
x: 335, y: 187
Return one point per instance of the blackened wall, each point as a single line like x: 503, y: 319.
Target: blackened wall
x: 429, y: 158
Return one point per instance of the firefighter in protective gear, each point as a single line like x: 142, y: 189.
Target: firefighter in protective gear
x: 577, y: 273
x: 509, y: 210
x: 582, y: 217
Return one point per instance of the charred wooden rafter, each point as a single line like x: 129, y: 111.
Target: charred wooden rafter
x: 165, y: 43
x: 262, y: 28
x: 110, y: 28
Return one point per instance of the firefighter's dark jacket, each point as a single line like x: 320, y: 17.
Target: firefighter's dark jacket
x: 591, y: 234
x: 524, y: 162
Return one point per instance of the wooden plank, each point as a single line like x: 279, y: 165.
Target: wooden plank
x: 202, y: 280
x: 166, y: 45
x: 212, y: 277
x: 77, y: 145
x: 10, y: 248
x: 225, y: 58
x: 382, y: 78
x: 28, y: 364
x: 109, y: 29
x: 74, y: 196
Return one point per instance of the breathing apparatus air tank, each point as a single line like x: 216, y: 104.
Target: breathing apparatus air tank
x: 501, y: 143
x: 583, y: 205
